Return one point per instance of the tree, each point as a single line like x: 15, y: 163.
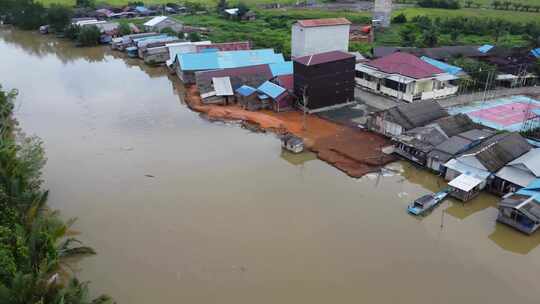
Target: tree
x: 242, y: 9
x: 468, y: 3
x: 89, y: 36
x: 85, y: 3
x: 429, y: 38
x: 506, y: 5
x: 517, y: 6
x: 496, y: 4
x: 28, y: 14
x: 124, y: 29
x: 401, y: 18
x: 59, y: 17
x: 194, y: 37
x: 408, y: 35
x: 526, y: 7
x: 221, y: 6
x: 454, y: 36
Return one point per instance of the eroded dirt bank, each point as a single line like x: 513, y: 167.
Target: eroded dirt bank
x: 352, y: 151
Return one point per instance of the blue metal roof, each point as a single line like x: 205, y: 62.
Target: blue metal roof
x: 282, y: 68
x: 485, y: 48
x: 533, y: 189
x: 536, y: 52
x: 157, y: 36
x: 450, y: 69
x: 271, y: 89
x: 141, y: 9
x: 229, y: 59
x: 245, y: 90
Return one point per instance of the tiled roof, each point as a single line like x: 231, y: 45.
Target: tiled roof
x: 323, y: 58
x: 323, y: 22
x: 405, y: 64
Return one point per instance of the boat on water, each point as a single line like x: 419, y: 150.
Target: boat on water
x: 427, y: 202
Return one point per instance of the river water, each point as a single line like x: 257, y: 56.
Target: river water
x: 183, y: 210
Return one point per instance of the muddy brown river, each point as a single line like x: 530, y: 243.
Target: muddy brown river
x: 183, y: 210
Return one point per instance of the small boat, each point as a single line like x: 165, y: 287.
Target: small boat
x: 426, y: 202
x: 292, y: 143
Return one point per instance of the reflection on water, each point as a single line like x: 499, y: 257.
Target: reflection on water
x: 462, y: 210
x: 297, y: 159
x: 230, y: 217
x: 512, y: 240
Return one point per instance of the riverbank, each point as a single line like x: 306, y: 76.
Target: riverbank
x: 355, y: 152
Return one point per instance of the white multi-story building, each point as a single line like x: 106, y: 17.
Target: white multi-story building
x: 320, y: 35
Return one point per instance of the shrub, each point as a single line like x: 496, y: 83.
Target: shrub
x: 89, y: 35
x: 401, y: 18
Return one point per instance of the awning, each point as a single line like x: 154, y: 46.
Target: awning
x: 222, y: 85
x: 401, y: 79
x: 370, y: 71
x: 465, y: 182
x: 446, y: 77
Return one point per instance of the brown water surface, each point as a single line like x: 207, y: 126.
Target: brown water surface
x: 182, y: 210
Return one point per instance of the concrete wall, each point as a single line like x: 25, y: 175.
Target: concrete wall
x: 312, y: 40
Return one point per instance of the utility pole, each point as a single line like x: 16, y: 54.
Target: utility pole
x: 305, y: 104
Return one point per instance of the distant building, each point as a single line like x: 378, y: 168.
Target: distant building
x: 319, y: 35
x: 405, y: 77
x: 382, y: 13
x: 159, y: 23
x: 325, y: 79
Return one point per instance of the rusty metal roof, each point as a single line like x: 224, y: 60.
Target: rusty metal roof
x: 323, y: 22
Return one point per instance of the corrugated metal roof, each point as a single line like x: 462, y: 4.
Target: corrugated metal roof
x: 515, y: 176
x: 286, y: 81
x: 222, y: 86
x: 271, y: 89
x: 465, y: 182
x: 323, y: 58
x: 405, y: 64
x: 281, y: 68
x: 416, y: 114
x: 245, y: 90
x: 323, y: 22
x: 232, y: 11
x: 223, y: 60
x: 485, y: 48
x: 531, y: 160
x: 155, y: 21
x: 536, y: 52
x: 448, y: 68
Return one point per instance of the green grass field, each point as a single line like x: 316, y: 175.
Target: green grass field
x: 471, y: 12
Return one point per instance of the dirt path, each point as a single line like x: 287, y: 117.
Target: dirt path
x: 352, y: 151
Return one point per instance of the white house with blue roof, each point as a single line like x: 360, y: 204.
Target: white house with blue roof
x: 521, y: 209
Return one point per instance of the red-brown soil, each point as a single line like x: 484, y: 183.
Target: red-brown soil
x: 355, y: 152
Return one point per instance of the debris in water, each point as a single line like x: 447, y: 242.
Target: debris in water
x: 149, y: 175
x: 127, y: 148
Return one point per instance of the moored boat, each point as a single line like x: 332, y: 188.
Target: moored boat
x: 427, y: 202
